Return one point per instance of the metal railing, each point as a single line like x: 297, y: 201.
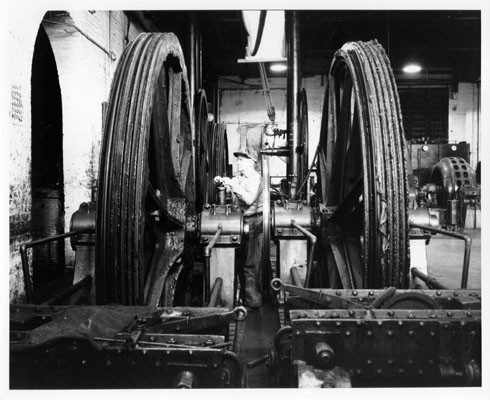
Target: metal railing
x: 25, y: 261
x: 467, y: 247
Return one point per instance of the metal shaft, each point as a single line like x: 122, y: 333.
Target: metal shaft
x: 312, y: 239
x: 432, y: 283
x: 218, y: 283
x: 293, y: 82
x: 295, y: 278
x: 65, y: 294
x: 207, y: 261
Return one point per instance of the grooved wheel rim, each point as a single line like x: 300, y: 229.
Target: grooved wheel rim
x: 202, y: 157
x: 362, y: 168
x: 303, y: 141
x: 146, y: 188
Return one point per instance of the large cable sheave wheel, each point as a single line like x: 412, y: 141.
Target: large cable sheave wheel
x: 362, y: 169
x: 146, y: 175
x: 202, y: 153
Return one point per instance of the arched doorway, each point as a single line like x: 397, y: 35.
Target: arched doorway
x: 46, y: 162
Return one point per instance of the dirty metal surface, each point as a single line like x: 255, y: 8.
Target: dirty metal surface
x: 413, y: 347
x: 362, y: 167
x: 64, y: 347
x: 146, y: 177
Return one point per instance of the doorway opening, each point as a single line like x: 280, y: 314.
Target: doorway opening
x: 47, y: 217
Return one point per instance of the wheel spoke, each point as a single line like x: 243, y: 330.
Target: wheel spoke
x: 349, y: 204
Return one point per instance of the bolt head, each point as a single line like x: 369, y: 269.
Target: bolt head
x: 325, y: 359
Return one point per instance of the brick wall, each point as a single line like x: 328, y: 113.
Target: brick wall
x: 22, y: 29
x: 86, y: 63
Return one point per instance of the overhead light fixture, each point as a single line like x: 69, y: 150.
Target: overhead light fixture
x: 412, y: 68
x: 278, y: 67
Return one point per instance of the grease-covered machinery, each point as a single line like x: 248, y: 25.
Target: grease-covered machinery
x: 138, y: 242
x: 350, y: 272
x: 362, y: 311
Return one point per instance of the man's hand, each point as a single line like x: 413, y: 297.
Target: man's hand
x: 218, y: 180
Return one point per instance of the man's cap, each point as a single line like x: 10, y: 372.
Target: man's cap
x: 247, y: 152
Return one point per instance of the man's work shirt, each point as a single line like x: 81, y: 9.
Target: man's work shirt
x: 248, y: 190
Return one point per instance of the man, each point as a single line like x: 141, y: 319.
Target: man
x: 247, y: 188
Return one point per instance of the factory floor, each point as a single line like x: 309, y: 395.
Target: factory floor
x: 445, y: 260
x: 255, y: 337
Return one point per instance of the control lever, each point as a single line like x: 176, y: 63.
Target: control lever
x: 191, y: 324
x: 331, y: 301
x: 258, y: 361
x: 318, y: 297
x: 158, y: 323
